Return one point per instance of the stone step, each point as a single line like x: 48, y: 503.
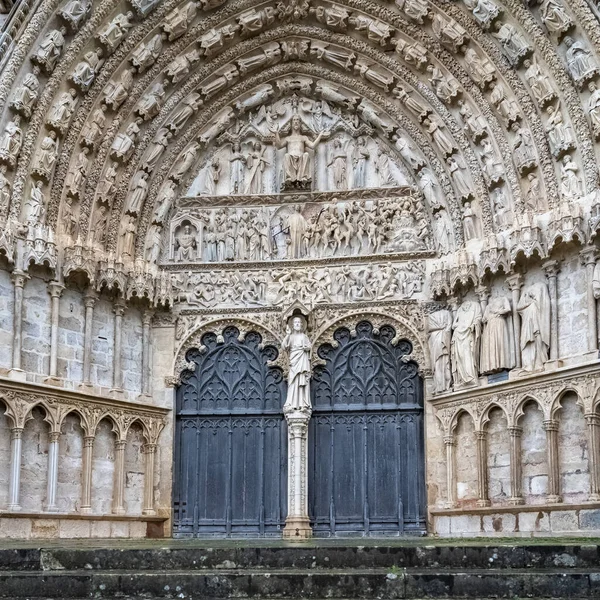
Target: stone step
x: 197, y: 556
x: 346, y: 584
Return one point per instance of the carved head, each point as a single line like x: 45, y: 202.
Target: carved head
x: 296, y: 123
x: 298, y: 324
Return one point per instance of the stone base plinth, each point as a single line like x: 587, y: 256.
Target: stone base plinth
x: 297, y: 528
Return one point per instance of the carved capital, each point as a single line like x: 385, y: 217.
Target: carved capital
x: 550, y: 425
x: 55, y: 289
x: 19, y: 278
x: 551, y: 267
x: 515, y: 282
x: 588, y: 256
x: 119, y: 307
x: 90, y: 298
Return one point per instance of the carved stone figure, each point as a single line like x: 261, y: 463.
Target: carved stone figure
x: 44, y: 160
x: 502, y: 215
x: 506, y: 106
x: 151, y: 103
x: 189, y: 106
x: 25, y: 95
x: 475, y: 123
x: 296, y: 229
x: 493, y: 169
x: 580, y: 61
x: 336, y: 95
x: 153, y: 243
x: 186, y: 244
x: 115, y: 31
x: 376, y: 31
x: 176, y: 23
x: 237, y: 162
x: 166, y: 197
x: 339, y: 165
x: 76, y: 177
x: 560, y: 134
x: 185, y: 161
x: 116, y: 92
x: 106, y: 187
x: 75, y: 13
x: 465, y: 343
x: 48, y: 52
x: 469, y: 222
x: 442, y: 232
x: 429, y: 186
x: 124, y: 142
x: 409, y: 154
x: 414, y: 54
x: 61, y: 111
x: 85, y: 72
x: 256, y: 163
x: 482, y: 70
x: 445, y: 86
x: 11, y: 141
x: 533, y: 194
x: 146, y: 54
x: 448, y: 31
x: 91, y: 132
x: 254, y: 21
x: 514, y: 44
x: 335, y: 55
x: 217, y: 126
x: 496, y: 348
x: 5, y: 190
x: 359, y: 162
x: 594, y: 108
x: 376, y: 118
x: 127, y: 237
x: 100, y: 226
x: 435, y: 128
x: 415, y: 10
x: 555, y: 17
x: 181, y: 66
x: 139, y: 191
x: 571, y: 187
x: 212, y: 176
x: 539, y: 83
x: 439, y: 325
x: 382, y: 168
x: 156, y: 149
x: 35, y: 204
x: 484, y: 11
x: 335, y: 17
x: 144, y: 7
x: 257, y: 98
x: 68, y: 221
x: 296, y: 161
x: 216, y: 38
x: 298, y: 346
x: 534, y: 308
x: 524, y: 149
x: 418, y: 107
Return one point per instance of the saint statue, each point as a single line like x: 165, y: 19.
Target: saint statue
x: 296, y: 161
x: 296, y: 228
x: 534, y: 308
x: 496, y: 349
x: 465, y: 343
x: 440, y: 329
x: 297, y: 344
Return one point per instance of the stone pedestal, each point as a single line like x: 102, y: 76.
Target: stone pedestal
x: 297, y: 525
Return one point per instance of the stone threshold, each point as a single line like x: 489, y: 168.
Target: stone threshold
x: 511, y: 509
x: 80, y: 517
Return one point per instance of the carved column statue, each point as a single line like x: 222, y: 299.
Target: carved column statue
x: 465, y: 344
x: 516, y: 496
x: 551, y: 428
x: 297, y: 410
x: 534, y: 308
x: 515, y: 282
x: 19, y: 278
x: 440, y: 334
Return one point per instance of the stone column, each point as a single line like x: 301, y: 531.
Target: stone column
x: 449, y: 441
x: 18, y: 278
x: 593, y: 424
x: 89, y: 301
x: 146, y: 342
x: 119, y: 487
x: 588, y: 258
x: 14, y: 485
x: 119, y: 310
x: 297, y: 524
x: 516, y: 496
x: 515, y: 282
x: 52, y: 472
x: 551, y: 268
x: 551, y: 428
x: 482, y: 475
x: 55, y: 289
x: 86, y: 479
x: 149, y: 456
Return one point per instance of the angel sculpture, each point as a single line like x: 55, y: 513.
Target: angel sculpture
x: 321, y: 115
x: 270, y: 114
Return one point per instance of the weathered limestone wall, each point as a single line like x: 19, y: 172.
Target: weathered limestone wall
x: 71, y: 335
x: 70, y: 466
x: 36, y: 327
x: 34, y: 465
x: 498, y: 458
x: 6, y: 319
x: 534, y: 455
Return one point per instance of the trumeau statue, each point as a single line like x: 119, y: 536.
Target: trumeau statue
x: 298, y: 346
x: 534, y: 308
x: 465, y: 344
x: 496, y: 348
x: 439, y: 325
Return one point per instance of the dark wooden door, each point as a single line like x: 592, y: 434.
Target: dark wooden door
x: 366, y: 437
x: 231, y: 441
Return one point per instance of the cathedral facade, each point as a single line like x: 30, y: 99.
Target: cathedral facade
x: 299, y: 268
